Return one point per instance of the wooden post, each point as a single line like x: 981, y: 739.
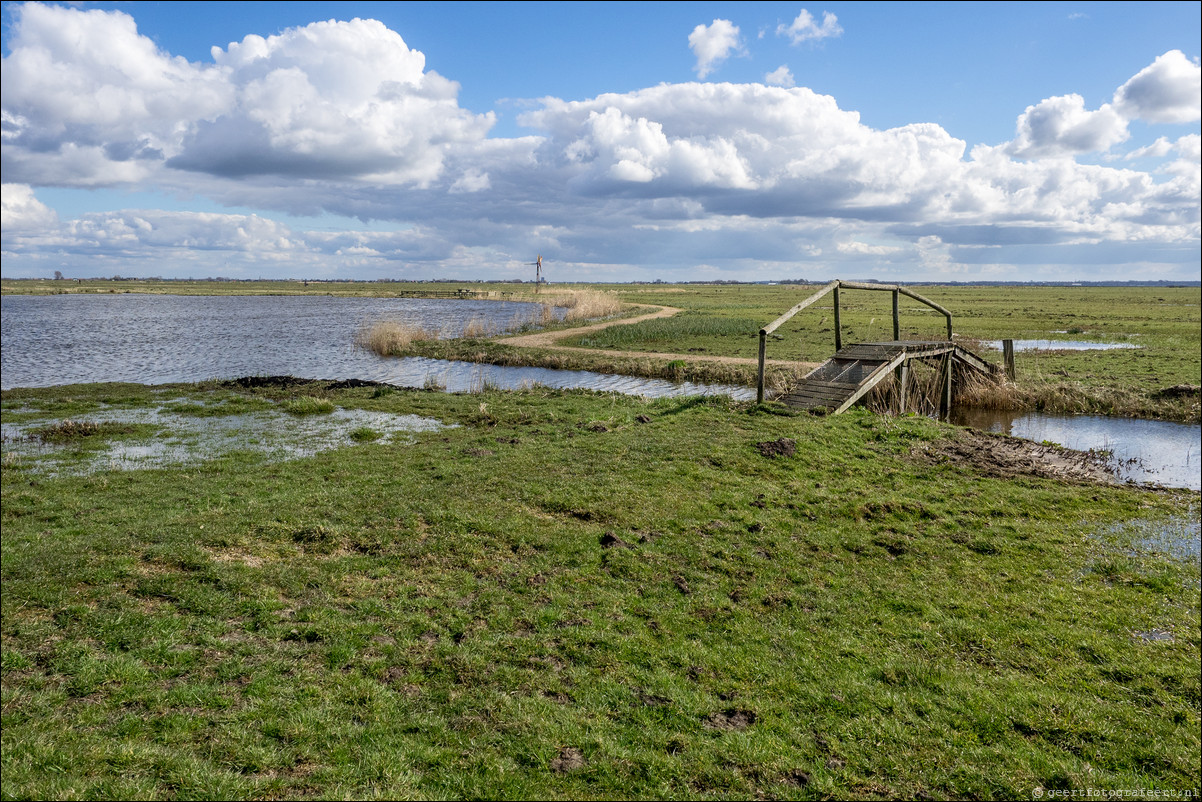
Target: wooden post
x: 903, y: 378
x: 896, y: 319
x: 838, y: 328
x: 759, y: 385
x: 945, y: 397
x: 1008, y: 358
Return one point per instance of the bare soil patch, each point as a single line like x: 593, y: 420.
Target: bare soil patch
x: 569, y: 759
x: 784, y: 447
x: 732, y: 719
x: 1007, y: 457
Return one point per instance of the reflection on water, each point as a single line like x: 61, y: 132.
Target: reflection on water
x: 158, y: 339
x: 1145, y: 451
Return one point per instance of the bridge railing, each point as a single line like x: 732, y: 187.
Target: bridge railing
x: 833, y: 287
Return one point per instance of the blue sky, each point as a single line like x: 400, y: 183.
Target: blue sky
x: 682, y: 141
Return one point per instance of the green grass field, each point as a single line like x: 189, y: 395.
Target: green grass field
x: 568, y: 595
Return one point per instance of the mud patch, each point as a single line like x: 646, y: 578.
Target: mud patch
x: 1008, y: 457
x: 569, y: 759
x: 798, y: 778
x: 783, y: 447
x: 1179, y: 391
x: 611, y: 541
x: 258, y: 382
x: 730, y: 719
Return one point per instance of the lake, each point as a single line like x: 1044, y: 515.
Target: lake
x: 160, y: 339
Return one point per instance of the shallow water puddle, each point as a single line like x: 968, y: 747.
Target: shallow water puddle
x: 1057, y: 345
x: 1178, y: 536
x: 187, y: 439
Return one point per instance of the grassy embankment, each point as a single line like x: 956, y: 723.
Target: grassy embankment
x: 577, y: 596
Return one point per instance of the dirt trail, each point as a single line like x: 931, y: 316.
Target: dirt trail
x: 550, y: 339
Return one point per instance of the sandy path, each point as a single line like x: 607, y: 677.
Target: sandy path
x: 544, y: 339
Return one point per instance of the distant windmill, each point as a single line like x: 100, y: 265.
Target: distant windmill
x: 538, y: 272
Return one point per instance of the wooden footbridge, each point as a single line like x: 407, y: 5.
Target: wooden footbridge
x: 856, y: 369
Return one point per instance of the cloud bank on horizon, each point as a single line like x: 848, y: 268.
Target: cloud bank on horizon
x: 680, y: 181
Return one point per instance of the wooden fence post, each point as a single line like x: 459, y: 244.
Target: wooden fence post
x: 838, y: 328
x: 1008, y: 358
x: 759, y: 385
x: 896, y: 319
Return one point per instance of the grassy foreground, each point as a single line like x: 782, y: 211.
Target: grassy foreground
x: 568, y: 595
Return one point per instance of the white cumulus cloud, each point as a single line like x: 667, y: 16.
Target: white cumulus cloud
x: 1062, y: 126
x: 780, y: 77
x: 804, y: 28
x: 1167, y: 91
x: 21, y: 211
x: 88, y: 100
x: 346, y: 118
x: 712, y: 44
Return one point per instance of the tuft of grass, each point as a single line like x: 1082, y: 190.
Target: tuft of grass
x: 364, y: 434
x: 308, y: 405
x: 477, y: 328
x: 68, y: 430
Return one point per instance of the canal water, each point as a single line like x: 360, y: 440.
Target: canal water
x: 1144, y: 451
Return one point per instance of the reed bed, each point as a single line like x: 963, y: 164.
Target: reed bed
x: 582, y: 304
x: 391, y: 337
x: 1042, y: 395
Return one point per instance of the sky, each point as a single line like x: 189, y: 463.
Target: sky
x: 620, y: 141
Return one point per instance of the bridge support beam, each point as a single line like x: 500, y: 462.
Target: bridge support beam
x: 945, y: 397
x: 838, y: 328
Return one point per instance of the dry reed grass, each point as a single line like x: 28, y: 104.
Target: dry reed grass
x: 393, y: 338
x: 477, y: 328
x: 582, y: 304
x: 389, y: 337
